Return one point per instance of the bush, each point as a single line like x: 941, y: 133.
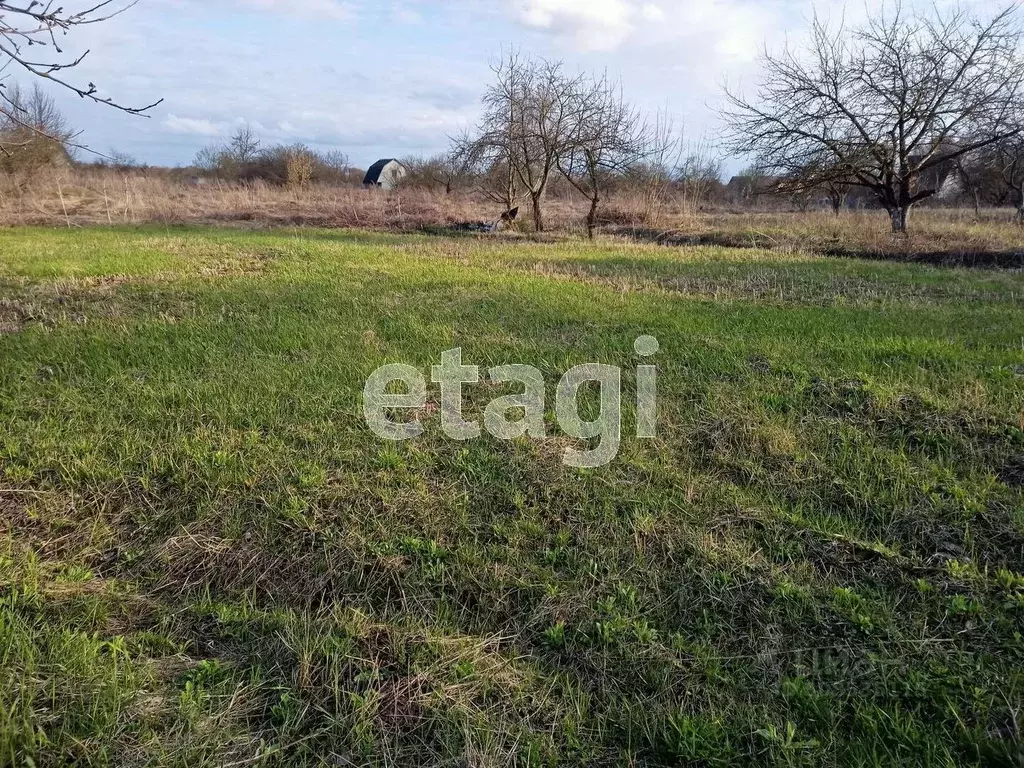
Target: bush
x: 241, y: 159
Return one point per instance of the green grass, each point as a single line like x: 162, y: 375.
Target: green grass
x: 206, y: 558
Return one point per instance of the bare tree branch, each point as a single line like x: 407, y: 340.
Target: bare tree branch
x: 42, y: 26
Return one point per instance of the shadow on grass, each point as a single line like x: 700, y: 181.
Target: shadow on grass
x: 954, y: 257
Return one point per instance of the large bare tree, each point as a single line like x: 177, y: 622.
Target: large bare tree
x: 31, y: 35
x: 880, y: 105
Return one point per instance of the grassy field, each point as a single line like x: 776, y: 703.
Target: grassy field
x: 206, y: 558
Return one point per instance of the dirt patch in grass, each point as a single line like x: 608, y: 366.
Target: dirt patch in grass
x: 75, y: 300
x: 1012, y: 471
x: 43, y: 522
x: 15, y: 314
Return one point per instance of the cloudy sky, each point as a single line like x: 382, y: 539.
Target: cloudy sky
x: 378, y: 78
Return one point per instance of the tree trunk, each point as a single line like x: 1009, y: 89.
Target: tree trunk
x: 899, y: 216
x: 538, y: 214
x: 837, y: 197
x: 592, y: 217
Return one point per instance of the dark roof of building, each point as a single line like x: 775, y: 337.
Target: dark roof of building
x: 375, y: 170
x: 749, y: 184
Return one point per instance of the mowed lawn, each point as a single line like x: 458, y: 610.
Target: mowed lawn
x: 207, y: 558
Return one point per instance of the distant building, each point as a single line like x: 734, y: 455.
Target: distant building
x: 945, y: 180
x: 385, y: 174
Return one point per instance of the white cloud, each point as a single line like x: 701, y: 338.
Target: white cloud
x: 728, y: 30
x: 407, y: 16
x: 192, y: 126
x: 588, y: 24
x: 730, y: 27
x: 323, y: 9
x: 651, y: 12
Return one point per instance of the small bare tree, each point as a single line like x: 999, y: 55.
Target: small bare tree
x: 120, y: 161
x: 335, y: 166
x: 446, y: 170
x: 698, y: 174
x: 816, y: 180
x: 607, y: 136
x: 40, y: 26
x: 652, y: 177
x: 244, y: 144
x: 970, y: 170
x: 836, y: 190
x: 880, y: 105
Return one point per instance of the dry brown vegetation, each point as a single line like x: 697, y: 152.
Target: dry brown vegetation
x: 76, y: 197
x: 942, y: 235
x: 83, y: 197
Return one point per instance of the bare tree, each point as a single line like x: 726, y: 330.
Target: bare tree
x: 880, y: 105
x: 41, y: 26
x: 209, y: 159
x: 36, y: 111
x: 335, y: 166
x: 121, y: 161
x: 235, y: 159
x: 652, y: 177
x: 244, y: 144
x: 818, y: 179
x: 989, y: 176
x: 1008, y: 159
x: 606, y: 136
x: 971, y: 170
x: 493, y: 150
x: 698, y: 174
x: 445, y: 170
x: 836, y: 190
x: 539, y: 121
x: 527, y: 124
